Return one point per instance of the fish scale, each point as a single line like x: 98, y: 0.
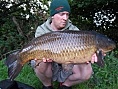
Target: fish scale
x: 63, y: 47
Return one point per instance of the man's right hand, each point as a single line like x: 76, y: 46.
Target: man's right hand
x: 47, y: 60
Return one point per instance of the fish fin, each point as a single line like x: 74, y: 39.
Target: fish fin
x: 11, y: 58
x: 14, y: 69
x: 100, y: 57
x: 13, y: 65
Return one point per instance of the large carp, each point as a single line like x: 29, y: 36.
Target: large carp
x: 63, y: 47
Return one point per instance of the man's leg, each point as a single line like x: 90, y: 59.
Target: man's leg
x: 81, y: 73
x: 44, y: 73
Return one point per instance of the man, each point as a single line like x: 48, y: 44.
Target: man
x: 48, y: 71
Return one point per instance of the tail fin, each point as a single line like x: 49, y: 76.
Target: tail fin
x: 13, y: 65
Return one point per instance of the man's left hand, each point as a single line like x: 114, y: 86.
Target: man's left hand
x: 94, y: 59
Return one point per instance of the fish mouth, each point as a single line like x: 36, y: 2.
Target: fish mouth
x: 112, y: 47
x: 108, y: 50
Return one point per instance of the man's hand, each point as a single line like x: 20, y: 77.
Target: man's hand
x: 47, y: 60
x: 37, y: 62
x: 44, y: 60
x: 93, y: 59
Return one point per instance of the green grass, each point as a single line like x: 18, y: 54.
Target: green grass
x: 103, y: 78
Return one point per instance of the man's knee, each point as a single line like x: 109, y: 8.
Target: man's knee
x: 43, y: 69
x: 87, y: 72
x: 87, y: 75
x: 84, y: 72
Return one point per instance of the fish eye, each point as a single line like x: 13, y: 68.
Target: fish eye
x: 109, y: 39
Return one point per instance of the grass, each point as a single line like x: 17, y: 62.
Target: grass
x: 103, y: 78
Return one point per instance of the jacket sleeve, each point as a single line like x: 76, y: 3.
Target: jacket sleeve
x: 39, y: 31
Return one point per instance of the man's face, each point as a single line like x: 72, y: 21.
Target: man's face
x: 60, y: 19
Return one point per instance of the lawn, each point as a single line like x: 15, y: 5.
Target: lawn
x: 103, y: 78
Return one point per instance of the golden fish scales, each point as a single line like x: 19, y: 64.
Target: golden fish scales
x: 62, y: 50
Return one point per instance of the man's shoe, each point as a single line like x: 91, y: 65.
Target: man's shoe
x: 64, y: 87
x: 47, y: 87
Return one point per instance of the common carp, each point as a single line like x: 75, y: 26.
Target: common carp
x: 63, y: 47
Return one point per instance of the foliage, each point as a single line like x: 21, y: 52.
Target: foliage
x: 15, y: 28
x: 19, y: 20
x: 98, y: 15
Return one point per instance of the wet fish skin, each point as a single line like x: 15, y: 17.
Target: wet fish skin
x: 59, y: 45
x: 62, y: 47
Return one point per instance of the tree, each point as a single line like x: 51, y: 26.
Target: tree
x: 19, y: 19
x: 98, y: 15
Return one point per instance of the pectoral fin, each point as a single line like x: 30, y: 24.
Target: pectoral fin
x: 100, y: 57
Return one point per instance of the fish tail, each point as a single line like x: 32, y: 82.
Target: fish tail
x: 14, y: 66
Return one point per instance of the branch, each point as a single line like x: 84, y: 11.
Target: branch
x: 17, y: 25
